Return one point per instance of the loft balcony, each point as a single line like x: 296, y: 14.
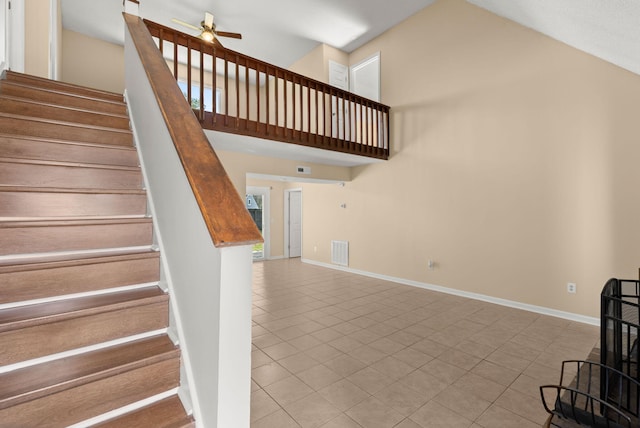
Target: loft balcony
x: 235, y: 94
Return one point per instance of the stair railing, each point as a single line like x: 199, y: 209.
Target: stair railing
x: 205, y: 234
x: 239, y: 94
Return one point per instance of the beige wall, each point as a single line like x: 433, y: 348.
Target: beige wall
x: 316, y: 63
x: 36, y: 43
x: 238, y: 165
x: 513, y: 166
x: 92, y: 62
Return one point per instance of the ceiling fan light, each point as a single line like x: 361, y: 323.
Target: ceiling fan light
x: 207, y: 35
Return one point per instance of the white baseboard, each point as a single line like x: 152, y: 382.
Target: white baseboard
x: 475, y: 296
x: 275, y: 258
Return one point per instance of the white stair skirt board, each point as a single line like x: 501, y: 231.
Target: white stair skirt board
x: 340, y: 253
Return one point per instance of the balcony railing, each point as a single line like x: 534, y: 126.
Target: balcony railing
x: 232, y: 92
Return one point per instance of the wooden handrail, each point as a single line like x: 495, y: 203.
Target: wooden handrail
x: 274, y: 103
x: 223, y: 210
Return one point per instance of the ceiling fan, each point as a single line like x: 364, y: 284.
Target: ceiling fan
x: 207, y: 29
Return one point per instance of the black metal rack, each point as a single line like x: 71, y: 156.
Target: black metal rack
x: 575, y: 400
x: 619, y: 327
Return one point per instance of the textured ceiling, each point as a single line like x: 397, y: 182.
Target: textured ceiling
x: 276, y: 31
x: 282, y: 31
x: 608, y: 29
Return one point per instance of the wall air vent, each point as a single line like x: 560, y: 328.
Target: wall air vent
x: 340, y: 253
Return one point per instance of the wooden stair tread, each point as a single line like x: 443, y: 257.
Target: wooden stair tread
x: 26, y: 316
x: 64, y: 260
x: 52, y: 276
x: 166, y: 413
x: 63, y: 107
x: 16, y: 124
x: 62, y: 98
x: 67, y: 164
x: 47, y: 378
x: 5, y: 136
x: 70, y: 190
x: 69, y: 87
x: 29, y: 147
x: 76, y: 264
x: 46, y: 173
x: 65, y: 123
x: 26, y: 107
x: 79, y: 221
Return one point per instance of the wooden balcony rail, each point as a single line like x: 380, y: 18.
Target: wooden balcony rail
x: 242, y: 95
x: 223, y: 209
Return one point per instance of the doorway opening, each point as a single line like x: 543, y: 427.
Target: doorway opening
x: 257, y: 202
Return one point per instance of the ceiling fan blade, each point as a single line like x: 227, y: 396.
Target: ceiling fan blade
x: 227, y: 34
x: 186, y: 24
x: 208, y: 20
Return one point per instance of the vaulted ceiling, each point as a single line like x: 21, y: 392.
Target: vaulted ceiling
x: 282, y: 31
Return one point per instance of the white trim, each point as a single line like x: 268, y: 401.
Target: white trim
x: 99, y: 251
x: 274, y: 258
x: 17, y: 43
x: 189, y: 377
x: 287, y: 192
x: 125, y: 409
x: 5, y: 35
x: 53, y: 40
x: 469, y: 295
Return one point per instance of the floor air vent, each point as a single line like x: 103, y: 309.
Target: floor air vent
x: 340, y: 253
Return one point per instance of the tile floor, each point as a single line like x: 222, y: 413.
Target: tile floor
x: 333, y: 349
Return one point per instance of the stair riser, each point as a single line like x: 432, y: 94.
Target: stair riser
x: 61, y: 99
x: 39, y: 129
x: 41, y: 340
x: 62, y: 87
x: 45, y: 204
x: 15, y: 106
x: 43, y: 283
x: 83, y: 402
x: 23, y: 240
x: 37, y: 175
x: 25, y: 148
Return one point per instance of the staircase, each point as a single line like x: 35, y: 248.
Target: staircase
x: 83, y: 321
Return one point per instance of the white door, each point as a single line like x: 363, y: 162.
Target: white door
x: 339, y: 77
x: 4, y: 35
x: 295, y: 223
x: 13, y: 28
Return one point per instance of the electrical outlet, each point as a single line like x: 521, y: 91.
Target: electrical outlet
x: 571, y: 288
x: 430, y: 264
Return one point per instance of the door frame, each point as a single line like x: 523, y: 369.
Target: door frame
x: 265, y: 192
x: 14, y: 35
x: 369, y: 64
x: 287, y: 192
